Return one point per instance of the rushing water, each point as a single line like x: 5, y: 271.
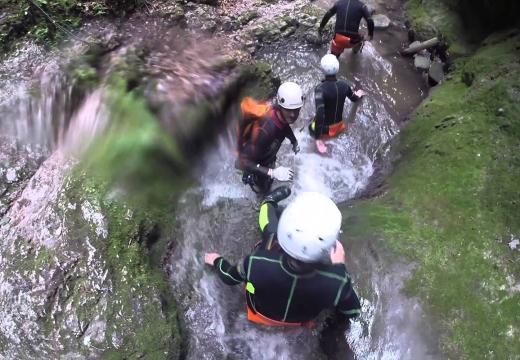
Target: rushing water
x: 220, y: 216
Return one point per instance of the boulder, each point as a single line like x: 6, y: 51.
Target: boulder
x: 312, y: 38
x: 422, y: 62
x: 381, y: 21
x: 436, y: 73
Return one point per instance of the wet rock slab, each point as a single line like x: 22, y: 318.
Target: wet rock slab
x: 18, y: 162
x: 60, y: 294
x: 381, y: 21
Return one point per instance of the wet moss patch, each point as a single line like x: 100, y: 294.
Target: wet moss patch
x: 453, y: 205
x: 140, y: 315
x: 430, y: 18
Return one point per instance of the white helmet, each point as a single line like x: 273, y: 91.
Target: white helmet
x: 309, y: 227
x: 290, y: 95
x: 329, y: 64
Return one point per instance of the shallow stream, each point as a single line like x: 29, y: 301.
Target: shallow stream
x: 220, y: 216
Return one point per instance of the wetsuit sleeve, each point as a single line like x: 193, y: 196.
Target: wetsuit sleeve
x: 229, y: 274
x: 289, y: 134
x: 268, y: 222
x: 348, y: 302
x: 332, y: 11
x: 369, y: 20
x: 255, y: 150
x: 320, y: 111
x: 350, y: 94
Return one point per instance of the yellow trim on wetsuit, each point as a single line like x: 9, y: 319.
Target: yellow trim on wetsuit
x: 263, y: 218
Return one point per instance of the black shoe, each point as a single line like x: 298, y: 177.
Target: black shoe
x: 277, y: 195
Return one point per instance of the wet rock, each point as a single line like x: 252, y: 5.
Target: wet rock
x: 17, y: 164
x: 60, y: 281
x: 246, y: 17
x: 422, y: 62
x: 266, y: 32
x: 381, y: 21
x: 204, y: 17
x: 206, y: 2
x: 288, y: 32
x: 313, y: 38
x: 436, y: 73
x: 173, y: 12
x: 283, y: 26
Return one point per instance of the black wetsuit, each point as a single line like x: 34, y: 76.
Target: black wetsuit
x: 348, y: 16
x: 258, y: 154
x: 279, y: 289
x: 329, y: 98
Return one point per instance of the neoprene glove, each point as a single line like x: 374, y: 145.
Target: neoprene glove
x: 281, y: 173
x: 295, y: 148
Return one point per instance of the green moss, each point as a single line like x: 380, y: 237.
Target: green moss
x: 454, y: 203
x: 430, y: 18
x: 247, y: 16
x: 147, y: 324
x: 266, y: 85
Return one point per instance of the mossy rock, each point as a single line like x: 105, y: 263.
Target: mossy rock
x: 247, y: 17
x: 431, y: 18
x: 452, y: 205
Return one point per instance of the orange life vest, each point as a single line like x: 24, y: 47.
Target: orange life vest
x: 252, y: 111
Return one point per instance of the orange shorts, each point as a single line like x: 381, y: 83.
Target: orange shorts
x: 340, y: 43
x: 334, y: 130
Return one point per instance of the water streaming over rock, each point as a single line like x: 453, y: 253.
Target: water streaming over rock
x: 220, y: 216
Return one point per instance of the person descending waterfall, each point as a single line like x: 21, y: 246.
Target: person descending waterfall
x: 348, y: 16
x: 261, y: 133
x: 298, y: 269
x: 329, y: 99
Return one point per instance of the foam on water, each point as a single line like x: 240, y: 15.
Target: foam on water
x: 224, y: 221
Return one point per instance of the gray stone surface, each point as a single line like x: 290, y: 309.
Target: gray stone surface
x: 436, y: 72
x: 422, y: 62
x: 381, y: 21
x: 60, y: 295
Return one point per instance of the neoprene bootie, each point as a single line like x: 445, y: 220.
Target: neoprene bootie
x: 277, y: 195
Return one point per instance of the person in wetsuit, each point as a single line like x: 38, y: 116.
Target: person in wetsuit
x: 348, y: 16
x: 329, y: 99
x: 298, y: 270
x: 257, y: 151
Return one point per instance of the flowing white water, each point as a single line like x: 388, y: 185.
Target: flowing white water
x: 219, y: 216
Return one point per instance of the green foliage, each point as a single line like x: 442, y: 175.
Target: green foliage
x: 26, y: 18
x: 454, y: 204
x: 135, y: 154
